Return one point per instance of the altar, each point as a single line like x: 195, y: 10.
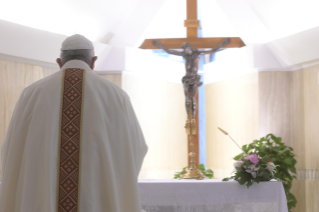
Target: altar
x: 211, y: 196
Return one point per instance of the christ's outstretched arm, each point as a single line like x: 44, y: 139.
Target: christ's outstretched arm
x: 215, y: 49
x: 174, y: 52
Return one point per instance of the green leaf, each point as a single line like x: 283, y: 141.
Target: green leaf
x: 209, y: 176
x: 270, y: 148
x: 288, y: 161
x: 249, y: 183
x: 244, y: 148
x: 201, y: 167
x: 256, y: 180
x: 237, y: 157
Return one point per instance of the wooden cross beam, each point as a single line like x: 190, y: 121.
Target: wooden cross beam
x: 192, y: 35
x: 192, y: 25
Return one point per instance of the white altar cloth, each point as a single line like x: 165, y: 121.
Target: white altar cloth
x: 211, y: 196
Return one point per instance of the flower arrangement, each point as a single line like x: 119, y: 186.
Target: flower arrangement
x: 252, y: 169
x: 275, y: 159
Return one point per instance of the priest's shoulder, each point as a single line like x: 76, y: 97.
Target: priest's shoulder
x: 107, y: 84
x: 53, y: 79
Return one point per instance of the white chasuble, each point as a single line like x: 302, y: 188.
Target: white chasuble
x: 73, y: 145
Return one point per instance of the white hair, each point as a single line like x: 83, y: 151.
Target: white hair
x: 85, y: 55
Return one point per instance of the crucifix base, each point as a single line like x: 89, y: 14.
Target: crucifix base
x: 193, y: 171
x: 191, y: 174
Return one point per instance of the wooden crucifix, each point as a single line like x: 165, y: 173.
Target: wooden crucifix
x: 190, y: 44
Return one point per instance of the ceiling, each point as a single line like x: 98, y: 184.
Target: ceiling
x: 101, y: 20
x: 123, y: 23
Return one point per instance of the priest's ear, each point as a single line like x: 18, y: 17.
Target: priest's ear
x: 59, y: 61
x: 93, y: 62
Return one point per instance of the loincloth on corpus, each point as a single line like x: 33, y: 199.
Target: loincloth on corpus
x: 192, y: 80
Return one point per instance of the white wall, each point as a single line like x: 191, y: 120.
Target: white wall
x: 232, y: 63
x: 34, y: 44
x: 299, y: 48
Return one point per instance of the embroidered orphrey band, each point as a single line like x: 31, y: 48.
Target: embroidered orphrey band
x: 70, y: 140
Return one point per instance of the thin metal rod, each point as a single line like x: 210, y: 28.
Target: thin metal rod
x: 237, y: 145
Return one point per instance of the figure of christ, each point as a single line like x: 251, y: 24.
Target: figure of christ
x: 191, y: 81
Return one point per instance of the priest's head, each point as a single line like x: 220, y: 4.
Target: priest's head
x: 77, y: 47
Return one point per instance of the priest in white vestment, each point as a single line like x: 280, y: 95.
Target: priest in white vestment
x: 73, y: 144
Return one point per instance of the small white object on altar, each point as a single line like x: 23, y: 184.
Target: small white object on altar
x: 211, y: 196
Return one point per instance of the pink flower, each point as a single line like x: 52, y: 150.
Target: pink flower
x: 253, y: 158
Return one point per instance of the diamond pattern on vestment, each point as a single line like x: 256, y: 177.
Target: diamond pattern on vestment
x: 77, y: 103
x: 68, y: 204
x: 72, y: 95
x: 69, y: 166
x: 66, y: 102
x: 78, y: 87
x: 62, y: 193
x: 73, y: 79
x: 68, y: 185
x: 71, y: 112
x: 74, y: 195
x: 65, y: 120
x: 67, y: 86
x: 63, y: 175
x: 70, y: 130
x: 75, y: 176
x: 77, y: 121
x: 70, y: 145
x: 75, y: 158
x: 75, y: 138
